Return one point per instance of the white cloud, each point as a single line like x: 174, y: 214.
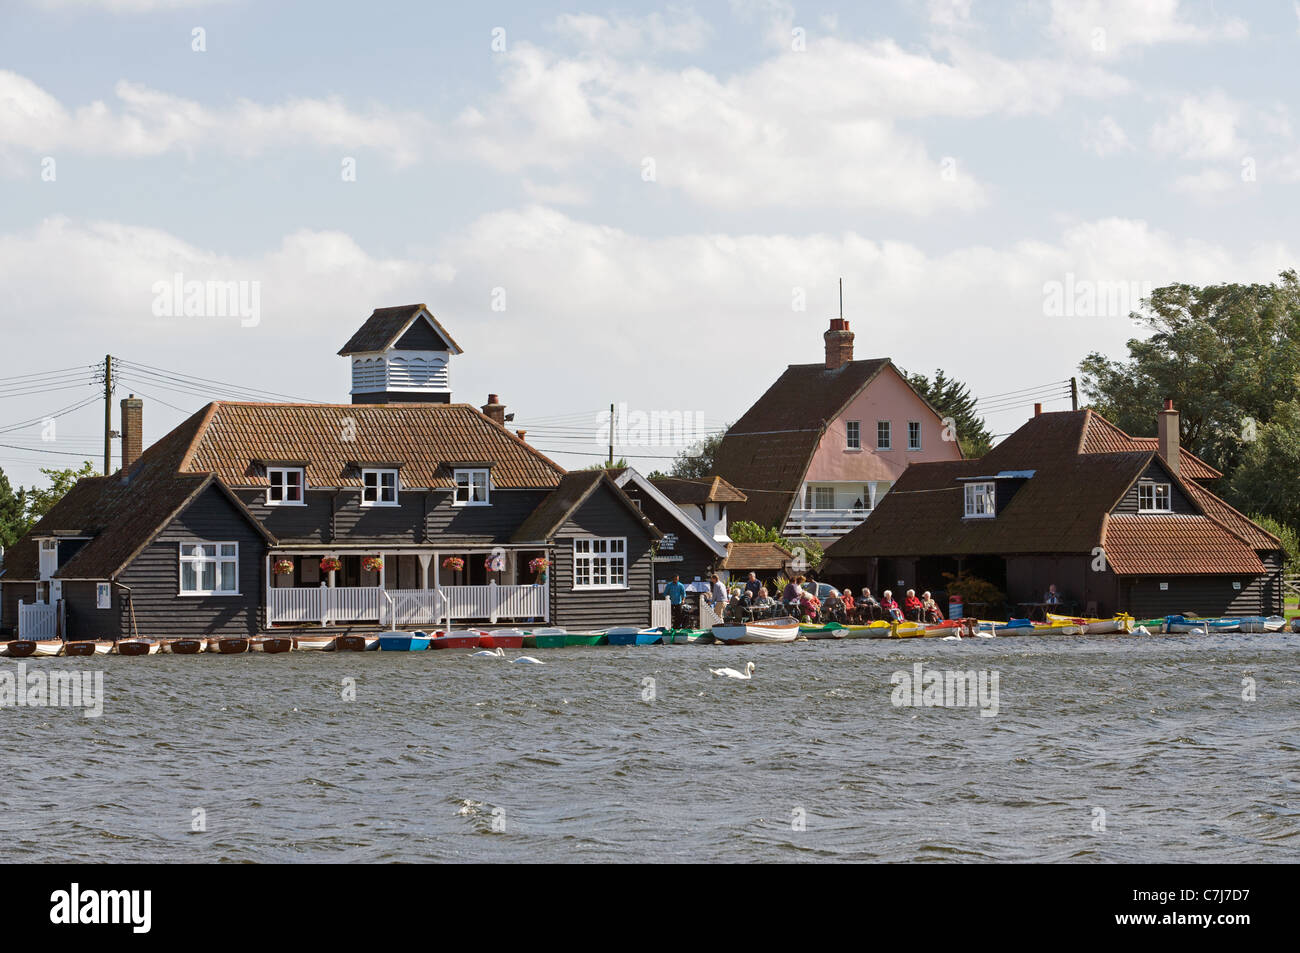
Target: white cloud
x: 1107, y: 28
x: 800, y: 129
x: 949, y: 14
x: 1105, y: 137
x: 680, y: 31
x: 1200, y: 128
x: 629, y: 317
x: 1207, y: 183
x: 148, y: 122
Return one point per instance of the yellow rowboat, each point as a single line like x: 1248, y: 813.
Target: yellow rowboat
x: 1122, y: 623
x: 1039, y: 628
x: 879, y: 629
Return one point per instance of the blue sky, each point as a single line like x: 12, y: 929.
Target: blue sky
x: 949, y: 159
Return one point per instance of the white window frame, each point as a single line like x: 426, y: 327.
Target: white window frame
x: 283, y: 484
x: 981, y: 501
x: 888, y: 433
x: 591, y: 554
x: 373, y: 488
x: 468, y: 485
x: 853, y: 435
x: 914, y: 425
x: 1153, y: 488
x: 217, y: 559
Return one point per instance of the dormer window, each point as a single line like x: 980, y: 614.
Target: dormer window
x: 378, y: 487
x: 981, y: 500
x: 472, y: 488
x: 285, y: 486
x: 1154, y: 498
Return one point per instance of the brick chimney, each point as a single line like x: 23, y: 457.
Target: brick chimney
x: 1167, y: 439
x: 1038, y: 410
x: 132, y: 427
x: 839, y: 344
x: 521, y: 434
x: 495, y: 410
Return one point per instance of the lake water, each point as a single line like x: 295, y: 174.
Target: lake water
x: 1103, y: 749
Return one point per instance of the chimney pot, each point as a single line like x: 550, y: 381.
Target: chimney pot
x: 1168, y: 440
x: 839, y: 344
x: 521, y: 434
x: 132, y: 430
x: 1038, y: 409
x: 495, y: 410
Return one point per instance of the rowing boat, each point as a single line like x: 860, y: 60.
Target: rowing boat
x: 830, y: 630
x: 138, y: 646
x: 502, y: 639
x: 1259, y: 623
x: 650, y: 637
x: 186, y: 646
x: 548, y: 638
x: 1178, y: 624
x: 880, y: 629
x: 758, y: 633
x: 225, y: 644
x: 272, y: 644
x: 685, y: 636
x: 356, y: 643
x: 314, y: 643
x: 584, y: 638
x: 457, y: 640
x: 621, y: 635
x: 405, y: 642
x: 88, y: 647
x: 1120, y: 623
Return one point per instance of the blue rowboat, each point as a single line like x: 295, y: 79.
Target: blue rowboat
x: 623, y: 635
x: 1259, y: 623
x: 403, y: 642
x: 650, y: 637
x: 1178, y: 623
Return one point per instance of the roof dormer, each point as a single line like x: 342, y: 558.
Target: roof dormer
x: 401, y: 355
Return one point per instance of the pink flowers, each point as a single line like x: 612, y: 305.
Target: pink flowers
x: 330, y: 564
x: 372, y: 563
x: 454, y: 563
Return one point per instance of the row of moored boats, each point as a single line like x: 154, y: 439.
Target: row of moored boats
x: 759, y: 632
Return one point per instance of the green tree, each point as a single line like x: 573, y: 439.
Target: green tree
x: 696, y: 461
x: 1225, y: 354
x: 1290, y: 541
x: 745, y: 531
x: 41, y: 501
x: 13, y: 512
x: 1267, y: 479
x: 953, y: 400
x: 619, y: 464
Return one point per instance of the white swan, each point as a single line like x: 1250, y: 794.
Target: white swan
x: 951, y: 638
x: 732, y: 673
x: 499, y: 653
x: 527, y: 660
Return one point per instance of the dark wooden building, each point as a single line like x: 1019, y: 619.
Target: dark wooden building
x: 1117, y: 523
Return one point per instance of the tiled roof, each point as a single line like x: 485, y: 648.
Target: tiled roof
x: 767, y: 451
x: 1175, y: 545
x: 561, y: 503
x: 1065, y: 507
x: 756, y: 556
x: 1102, y: 436
x: 385, y: 324
x: 709, y: 490
x: 425, y: 438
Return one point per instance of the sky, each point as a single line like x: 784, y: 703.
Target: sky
x: 642, y: 205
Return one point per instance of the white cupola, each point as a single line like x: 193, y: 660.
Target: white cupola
x: 401, y: 355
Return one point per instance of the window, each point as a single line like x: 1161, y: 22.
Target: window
x: 1153, y: 498
x: 854, y: 435
x: 286, y: 485
x: 103, y: 595
x: 379, y: 488
x: 600, y: 564
x: 824, y: 498
x: 210, y: 569
x: 883, y: 441
x: 981, y: 501
x: 913, y: 435
x: 471, y: 488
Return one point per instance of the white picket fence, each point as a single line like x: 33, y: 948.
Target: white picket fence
x: 661, y: 614
x: 38, y: 620
x: 406, y: 606
x: 708, y: 618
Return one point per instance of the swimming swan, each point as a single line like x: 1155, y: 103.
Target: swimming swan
x: 732, y: 673
x: 527, y: 660
x: 499, y: 653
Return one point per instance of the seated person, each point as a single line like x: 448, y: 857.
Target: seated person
x: 868, y: 607
x: 792, y: 590
x: 930, y: 611
x: 833, y: 608
x: 850, y: 607
x: 809, y: 607
x: 890, y: 607
x: 912, y: 607
x: 1052, y: 597
x: 763, y: 604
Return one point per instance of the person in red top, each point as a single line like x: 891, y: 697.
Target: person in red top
x: 912, y: 607
x: 888, y: 604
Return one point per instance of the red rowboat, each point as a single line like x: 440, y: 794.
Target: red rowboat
x: 458, y: 640
x: 502, y: 639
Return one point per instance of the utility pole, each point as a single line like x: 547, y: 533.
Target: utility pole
x: 108, y: 414
x: 611, y: 436
x: 1074, y: 393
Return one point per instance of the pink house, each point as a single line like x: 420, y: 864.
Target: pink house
x: 815, y: 454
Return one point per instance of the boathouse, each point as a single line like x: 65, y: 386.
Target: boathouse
x: 401, y: 509
x: 1117, y: 523
x: 816, y: 454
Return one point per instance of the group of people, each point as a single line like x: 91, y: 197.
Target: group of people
x: 753, y: 601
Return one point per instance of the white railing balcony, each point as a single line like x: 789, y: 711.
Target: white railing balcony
x: 339, y: 605
x: 823, y: 523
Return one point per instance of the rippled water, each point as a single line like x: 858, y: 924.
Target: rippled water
x: 439, y: 751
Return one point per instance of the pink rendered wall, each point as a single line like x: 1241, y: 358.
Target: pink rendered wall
x: 886, y: 398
